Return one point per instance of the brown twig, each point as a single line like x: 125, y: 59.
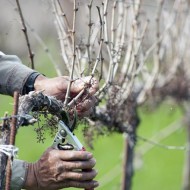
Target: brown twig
x: 12, y: 140
x: 67, y: 96
x: 113, y: 25
x: 24, y: 29
x: 155, y: 71
x: 64, y: 16
x: 89, y: 35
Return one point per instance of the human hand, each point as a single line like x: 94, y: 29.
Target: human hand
x: 57, y: 87
x: 60, y: 169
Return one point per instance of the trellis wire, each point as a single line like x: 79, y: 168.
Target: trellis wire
x: 169, y: 147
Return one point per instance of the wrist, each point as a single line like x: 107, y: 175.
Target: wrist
x: 38, y: 83
x: 31, y: 181
x: 19, y: 173
x: 29, y: 84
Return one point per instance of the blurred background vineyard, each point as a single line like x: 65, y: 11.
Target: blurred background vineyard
x: 156, y: 167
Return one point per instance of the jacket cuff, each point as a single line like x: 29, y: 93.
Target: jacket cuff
x: 15, y: 75
x: 19, y: 172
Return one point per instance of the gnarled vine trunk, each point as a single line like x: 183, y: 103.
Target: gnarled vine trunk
x: 130, y: 140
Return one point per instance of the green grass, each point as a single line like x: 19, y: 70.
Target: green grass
x: 162, y: 168
x: 159, y: 168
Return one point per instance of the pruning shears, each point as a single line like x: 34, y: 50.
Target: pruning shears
x: 65, y: 139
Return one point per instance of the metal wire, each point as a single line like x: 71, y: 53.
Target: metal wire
x: 168, y: 147
x: 26, y: 116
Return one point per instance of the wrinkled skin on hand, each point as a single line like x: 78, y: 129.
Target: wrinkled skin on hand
x: 57, y: 87
x: 60, y: 169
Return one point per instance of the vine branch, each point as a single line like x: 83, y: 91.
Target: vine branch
x: 24, y: 29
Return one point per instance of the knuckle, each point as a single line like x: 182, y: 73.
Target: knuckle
x: 52, y: 155
x: 93, y: 162
x: 71, y: 154
x: 76, y: 165
x: 77, y: 185
x: 80, y: 175
x: 61, y: 166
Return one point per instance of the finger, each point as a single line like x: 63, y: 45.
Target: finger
x: 77, y: 175
x: 77, y: 86
x: 86, y: 104
x: 89, y: 83
x: 82, y: 184
x: 69, y: 155
x: 92, y: 83
x: 76, y: 165
x: 74, y: 155
x: 85, y: 114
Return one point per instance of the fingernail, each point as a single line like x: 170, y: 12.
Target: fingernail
x: 96, y: 184
x: 89, y: 155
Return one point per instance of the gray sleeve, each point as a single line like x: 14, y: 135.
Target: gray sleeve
x: 13, y: 74
x: 19, y: 172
